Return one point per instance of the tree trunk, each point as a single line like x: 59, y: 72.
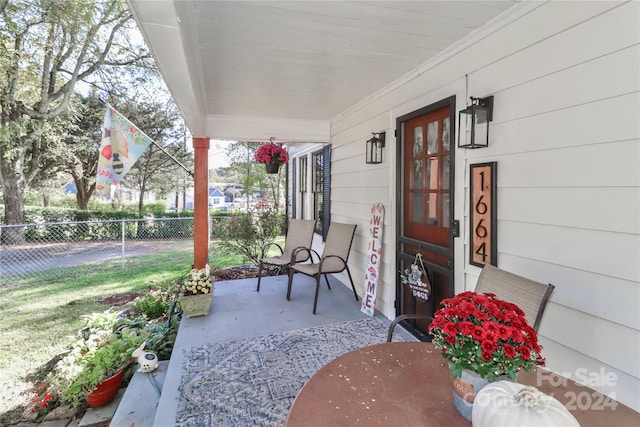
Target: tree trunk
x: 141, y: 198
x: 83, y: 191
x: 46, y: 200
x: 13, y: 197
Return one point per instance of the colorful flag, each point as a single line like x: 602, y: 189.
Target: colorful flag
x: 122, y: 144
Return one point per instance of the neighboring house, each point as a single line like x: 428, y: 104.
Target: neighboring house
x: 119, y: 192
x: 216, y: 198
x: 185, y: 200
x: 565, y: 139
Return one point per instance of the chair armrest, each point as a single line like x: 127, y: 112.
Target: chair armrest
x: 402, y: 317
x: 326, y: 257
x: 266, y: 247
x: 309, y: 251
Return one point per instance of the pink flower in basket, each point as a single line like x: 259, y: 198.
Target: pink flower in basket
x: 271, y: 153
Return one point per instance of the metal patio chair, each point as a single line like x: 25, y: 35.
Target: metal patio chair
x: 529, y: 295
x: 299, y: 234
x: 333, y: 260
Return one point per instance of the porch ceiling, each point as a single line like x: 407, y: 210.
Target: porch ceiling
x: 292, y: 63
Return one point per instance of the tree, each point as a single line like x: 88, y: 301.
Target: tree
x: 240, y: 154
x: 46, y: 48
x: 82, y: 141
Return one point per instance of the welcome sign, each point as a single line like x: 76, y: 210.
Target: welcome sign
x: 374, y: 258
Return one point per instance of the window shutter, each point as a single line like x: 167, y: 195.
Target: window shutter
x: 326, y: 190
x: 294, y: 180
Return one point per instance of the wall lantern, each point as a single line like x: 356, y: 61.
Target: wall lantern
x: 473, y: 131
x: 374, y: 148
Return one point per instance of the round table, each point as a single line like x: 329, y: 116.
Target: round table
x: 408, y: 384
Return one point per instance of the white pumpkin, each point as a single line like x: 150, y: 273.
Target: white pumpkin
x: 505, y: 403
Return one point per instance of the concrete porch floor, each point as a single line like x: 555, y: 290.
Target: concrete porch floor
x: 239, y: 312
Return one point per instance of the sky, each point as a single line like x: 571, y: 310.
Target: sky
x: 217, y: 156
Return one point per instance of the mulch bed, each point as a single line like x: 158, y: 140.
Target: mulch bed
x: 231, y: 273
x: 119, y: 299
x: 245, y: 272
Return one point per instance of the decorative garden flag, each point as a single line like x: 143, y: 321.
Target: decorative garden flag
x: 122, y: 144
x: 374, y: 258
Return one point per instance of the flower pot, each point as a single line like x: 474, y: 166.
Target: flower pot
x: 466, y: 387
x: 272, y: 167
x: 105, y: 391
x: 196, y: 305
x: 464, y: 390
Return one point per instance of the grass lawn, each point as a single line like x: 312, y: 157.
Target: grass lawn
x: 38, y: 319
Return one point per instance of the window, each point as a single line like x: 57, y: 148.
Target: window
x: 321, y: 187
x: 318, y: 175
x: 303, y: 186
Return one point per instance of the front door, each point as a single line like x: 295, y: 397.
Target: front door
x: 426, y: 165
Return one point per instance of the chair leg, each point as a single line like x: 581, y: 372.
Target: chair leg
x: 326, y: 279
x: 315, y: 300
x: 259, y: 276
x: 289, y: 284
x: 352, y: 285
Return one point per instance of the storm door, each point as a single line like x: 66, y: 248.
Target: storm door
x: 426, y: 165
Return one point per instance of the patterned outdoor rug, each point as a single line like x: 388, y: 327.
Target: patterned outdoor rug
x: 253, y: 382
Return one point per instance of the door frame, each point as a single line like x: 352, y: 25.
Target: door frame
x: 449, y: 102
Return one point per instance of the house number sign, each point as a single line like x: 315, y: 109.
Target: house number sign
x: 483, y: 194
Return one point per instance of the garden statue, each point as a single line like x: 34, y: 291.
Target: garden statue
x: 147, y: 361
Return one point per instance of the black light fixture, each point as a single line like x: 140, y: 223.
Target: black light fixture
x: 374, y: 148
x: 473, y: 130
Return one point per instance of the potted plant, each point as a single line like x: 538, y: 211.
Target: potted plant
x: 272, y: 155
x: 197, y: 292
x: 484, y: 339
x: 97, y: 358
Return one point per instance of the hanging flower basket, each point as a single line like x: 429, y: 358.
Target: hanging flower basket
x: 272, y: 155
x: 272, y: 167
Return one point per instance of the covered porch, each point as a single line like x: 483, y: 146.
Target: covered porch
x: 320, y: 77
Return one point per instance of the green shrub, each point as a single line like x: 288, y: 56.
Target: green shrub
x: 157, y: 302
x: 246, y: 234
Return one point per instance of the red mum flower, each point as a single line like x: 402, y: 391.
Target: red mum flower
x: 478, y: 333
x: 488, y: 346
x: 525, y: 354
x: 466, y: 328
x: 450, y: 329
x: 490, y: 336
x: 509, y: 351
x: 470, y: 325
x: 504, y: 332
x: 492, y: 327
x: 517, y: 335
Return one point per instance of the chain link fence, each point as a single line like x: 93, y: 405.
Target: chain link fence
x: 48, y: 248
